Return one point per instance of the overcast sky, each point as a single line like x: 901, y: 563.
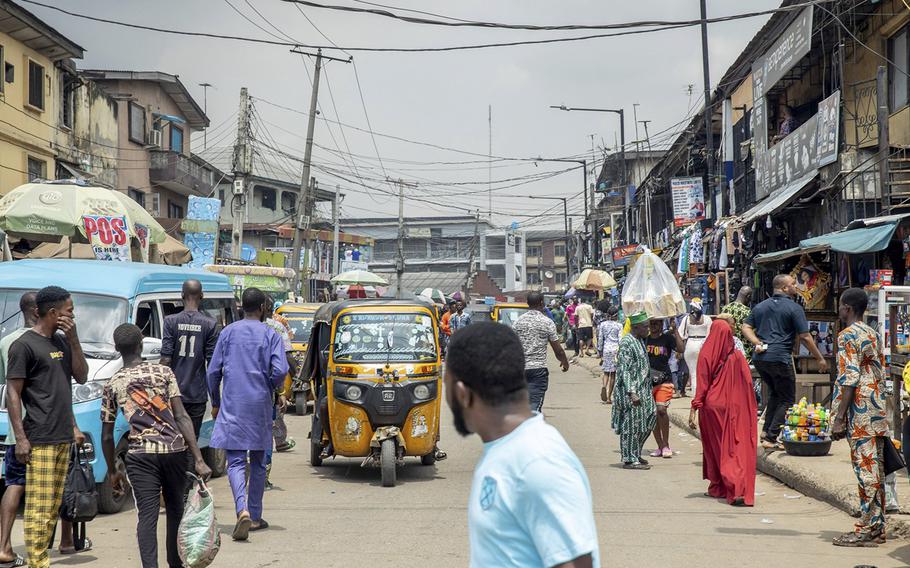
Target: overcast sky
x: 439, y: 98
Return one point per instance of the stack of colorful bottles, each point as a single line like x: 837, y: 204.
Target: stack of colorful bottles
x: 806, y: 423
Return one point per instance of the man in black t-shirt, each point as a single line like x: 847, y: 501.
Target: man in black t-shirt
x: 40, y: 365
x: 661, y: 345
x: 187, y: 347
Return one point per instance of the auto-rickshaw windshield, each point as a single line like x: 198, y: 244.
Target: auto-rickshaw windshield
x: 301, y: 324
x: 362, y: 337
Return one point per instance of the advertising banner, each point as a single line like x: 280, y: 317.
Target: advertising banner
x: 828, y: 129
x: 108, y: 235
x: 622, y: 255
x: 142, y: 235
x: 688, y: 200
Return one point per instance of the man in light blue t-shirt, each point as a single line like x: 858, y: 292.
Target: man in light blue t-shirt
x: 530, y: 503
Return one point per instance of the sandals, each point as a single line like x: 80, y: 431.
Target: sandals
x: 85, y: 548
x: 287, y: 446
x: 263, y: 524
x: 603, y: 394
x: 440, y: 455
x: 16, y: 562
x: 637, y: 465
x: 242, y: 527
x: 860, y: 540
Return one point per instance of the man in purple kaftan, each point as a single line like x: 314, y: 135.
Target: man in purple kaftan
x: 249, y: 364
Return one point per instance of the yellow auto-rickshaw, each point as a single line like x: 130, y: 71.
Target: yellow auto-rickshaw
x: 378, y: 376
x: 508, y: 313
x: 300, y: 317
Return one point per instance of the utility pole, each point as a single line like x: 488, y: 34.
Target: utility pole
x: 567, y: 223
x: 709, y: 130
x: 337, y: 220
x: 490, y: 158
x: 306, y: 197
x: 474, y: 246
x: 242, y: 163
x: 648, y: 189
x: 399, y: 264
x: 205, y: 111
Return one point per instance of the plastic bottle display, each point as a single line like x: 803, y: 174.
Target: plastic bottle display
x: 806, y: 422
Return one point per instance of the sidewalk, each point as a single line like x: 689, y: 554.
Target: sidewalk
x: 827, y: 478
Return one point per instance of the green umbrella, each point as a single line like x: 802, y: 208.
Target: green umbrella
x: 362, y: 277
x: 41, y: 211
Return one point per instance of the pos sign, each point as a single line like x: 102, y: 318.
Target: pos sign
x: 108, y: 236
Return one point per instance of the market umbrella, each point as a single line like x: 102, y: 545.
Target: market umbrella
x: 362, y: 277
x: 47, y: 211
x: 592, y: 279
x: 433, y: 295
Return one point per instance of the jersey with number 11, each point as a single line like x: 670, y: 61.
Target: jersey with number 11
x: 189, y: 341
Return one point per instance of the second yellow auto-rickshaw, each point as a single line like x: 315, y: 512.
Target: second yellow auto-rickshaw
x: 300, y: 318
x: 508, y: 313
x: 377, y: 370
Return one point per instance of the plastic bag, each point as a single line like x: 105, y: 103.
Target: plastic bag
x: 652, y: 288
x: 198, y: 539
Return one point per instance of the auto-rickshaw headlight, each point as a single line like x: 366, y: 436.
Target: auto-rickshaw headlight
x: 422, y: 392
x: 353, y: 392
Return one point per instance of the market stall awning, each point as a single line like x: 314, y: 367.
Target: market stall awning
x: 777, y: 201
x: 872, y: 221
x: 857, y: 241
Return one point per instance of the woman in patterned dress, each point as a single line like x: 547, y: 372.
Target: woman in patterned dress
x: 608, y: 336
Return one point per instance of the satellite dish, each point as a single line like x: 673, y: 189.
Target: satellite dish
x: 548, y: 274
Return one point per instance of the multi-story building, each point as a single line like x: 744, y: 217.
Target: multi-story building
x: 156, y: 117
x: 31, y: 53
x: 445, y: 252
x: 546, y: 260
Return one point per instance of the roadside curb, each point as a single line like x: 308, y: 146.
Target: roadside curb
x: 784, y: 468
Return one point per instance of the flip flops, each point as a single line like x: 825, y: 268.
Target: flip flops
x: 242, y: 527
x: 263, y: 524
x: 14, y: 563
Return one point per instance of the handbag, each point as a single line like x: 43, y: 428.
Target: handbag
x: 80, y: 496
x: 659, y: 377
x: 894, y: 461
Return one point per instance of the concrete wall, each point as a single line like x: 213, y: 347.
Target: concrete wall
x: 25, y: 131
x: 92, y: 142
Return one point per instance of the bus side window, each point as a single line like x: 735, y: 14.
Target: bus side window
x: 148, y: 319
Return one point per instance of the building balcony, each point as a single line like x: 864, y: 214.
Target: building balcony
x: 181, y: 174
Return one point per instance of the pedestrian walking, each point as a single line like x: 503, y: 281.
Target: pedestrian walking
x: 694, y: 331
x: 773, y: 328
x: 584, y: 317
x: 283, y: 443
x: 161, y: 431
x: 535, y: 330
x: 662, y: 345
x: 634, y: 413
x: 445, y: 324
x: 248, y: 366
x: 740, y: 309
x: 39, y: 372
x: 608, y: 336
x: 187, y: 347
x: 573, y: 324
x: 860, y: 416
x: 530, y: 503
x: 460, y: 319
x: 724, y: 410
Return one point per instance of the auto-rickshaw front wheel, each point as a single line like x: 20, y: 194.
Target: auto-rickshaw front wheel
x: 387, y: 462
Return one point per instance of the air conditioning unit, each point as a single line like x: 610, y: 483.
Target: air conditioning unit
x: 154, y: 138
x: 238, y: 187
x: 545, y: 289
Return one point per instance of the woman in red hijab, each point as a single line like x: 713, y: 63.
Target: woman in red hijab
x: 724, y: 405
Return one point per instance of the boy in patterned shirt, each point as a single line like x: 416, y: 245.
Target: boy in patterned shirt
x: 160, y: 433
x: 861, y: 416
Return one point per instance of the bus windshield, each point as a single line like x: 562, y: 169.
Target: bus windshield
x: 362, y: 337
x: 96, y: 318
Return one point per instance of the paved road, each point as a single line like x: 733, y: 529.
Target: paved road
x: 339, y: 515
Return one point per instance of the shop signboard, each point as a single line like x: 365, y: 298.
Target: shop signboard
x: 794, y: 157
x: 688, y: 200
x: 828, y: 129
x: 108, y: 235
x: 348, y: 265
x: 622, y: 255
x: 419, y: 232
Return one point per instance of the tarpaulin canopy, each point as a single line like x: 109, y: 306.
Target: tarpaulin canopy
x: 856, y: 241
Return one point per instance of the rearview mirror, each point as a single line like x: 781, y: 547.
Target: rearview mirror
x: 151, y: 349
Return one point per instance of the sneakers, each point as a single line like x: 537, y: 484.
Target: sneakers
x: 656, y: 453
x: 666, y: 453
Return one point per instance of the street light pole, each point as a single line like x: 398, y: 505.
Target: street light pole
x: 565, y: 214
x: 623, y: 176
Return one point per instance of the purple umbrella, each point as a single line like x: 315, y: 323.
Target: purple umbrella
x: 570, y: 293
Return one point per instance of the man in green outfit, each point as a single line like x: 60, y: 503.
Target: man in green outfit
x: 634, y: 411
